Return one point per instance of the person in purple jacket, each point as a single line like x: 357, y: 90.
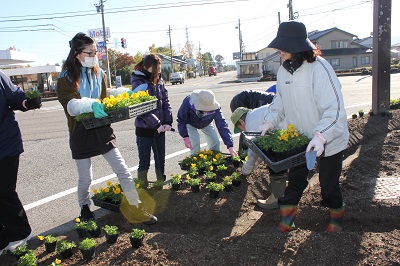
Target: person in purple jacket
x: 151, y: 127
x: 15, y: 230
x: 198, y: 111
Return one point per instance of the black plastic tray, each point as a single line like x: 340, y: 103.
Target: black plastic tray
x: 278, y: 166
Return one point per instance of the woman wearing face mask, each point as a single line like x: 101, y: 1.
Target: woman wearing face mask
x: 80, y: 84
x: 151, y: 127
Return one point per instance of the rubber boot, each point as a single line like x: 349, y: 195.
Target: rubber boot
x: 288, y: 213
x: 336, y: 220
x: 142, y: 175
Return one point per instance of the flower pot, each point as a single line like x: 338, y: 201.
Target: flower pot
x: 221, y: 173
x: 361, y: 114
x: 195, y: 188
x: 136, y: 242
x: 82, y: 233
x: 354, y: 116
x: 95, y: 233
x: 201, y: 170
x: 111, y: 239
x: 88, y: 254
x: 176, y: 187
x: 66, y: 253
x: 214, y: 194
x: 236, y: 183
x: 237, y: 163
x: 229, y: 188
x: 50, y: 247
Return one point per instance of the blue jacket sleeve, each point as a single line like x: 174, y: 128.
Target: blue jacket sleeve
x: 183, y: 114
x: 223, y: 129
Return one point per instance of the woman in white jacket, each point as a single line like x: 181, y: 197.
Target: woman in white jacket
x: 309, y: 97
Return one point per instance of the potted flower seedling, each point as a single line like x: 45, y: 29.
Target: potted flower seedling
x: 28, y: 259
x: 157, y: 185
x: 20, y: 251
x: 136, y: 237
x: 193, y: 171
x: 111, y: 233
x: 215, y: 188
x: 210, y: 176
x: 361, y: 113
x: 354, y: 116
x: 64, y: 248
x: 227, y: 182
x: 194, y: 184
x: 176, y: 181
x: 87, y: 247
x: 80, y: 227
x: 93, y: 229
x: 50, y: 242
x: 236, y: 179
x: 221, y: 170
x: 236, y: 161
x: 140, y: 184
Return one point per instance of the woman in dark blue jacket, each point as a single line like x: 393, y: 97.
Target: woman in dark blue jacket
x: 198, y: 111
x: 15, y: 230
x: 151, y: 127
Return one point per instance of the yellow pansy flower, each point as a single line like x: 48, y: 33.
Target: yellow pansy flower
x: 41, y: 238
x: 106, y: 190
x: 109, y: 183
x: 95, y: 191
x: 117, y: 191
x: 57, y: 261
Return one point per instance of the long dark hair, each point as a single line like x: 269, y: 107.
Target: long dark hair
x: 309, y: 56
x: 72, y: 64
x: 151, y: 60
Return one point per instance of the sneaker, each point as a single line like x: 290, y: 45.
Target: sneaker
x: 12, y: 246
x: 86, y: 214
x: 270, y: 203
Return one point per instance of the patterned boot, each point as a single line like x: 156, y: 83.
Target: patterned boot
x: 288, y: 213
x: 336, y: 220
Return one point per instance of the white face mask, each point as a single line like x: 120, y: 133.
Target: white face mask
x: 90, y: 62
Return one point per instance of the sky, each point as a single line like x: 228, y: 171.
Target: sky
x: 44, y: 27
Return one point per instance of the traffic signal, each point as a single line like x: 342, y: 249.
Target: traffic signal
x: 123, y: 42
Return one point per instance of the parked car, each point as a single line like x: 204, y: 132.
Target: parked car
x: 177, y: 77
x: 212, y: 71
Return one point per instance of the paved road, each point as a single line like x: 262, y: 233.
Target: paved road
x: 47, y: 174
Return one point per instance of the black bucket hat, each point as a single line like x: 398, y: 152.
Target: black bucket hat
x: 292, y: 38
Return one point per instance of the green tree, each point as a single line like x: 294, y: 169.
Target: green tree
x: 165, y: 50
x: 207, y: 61
x: 121, y: 64
x: 219, y: 58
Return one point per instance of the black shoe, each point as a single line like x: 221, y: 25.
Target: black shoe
x: 86, y: 214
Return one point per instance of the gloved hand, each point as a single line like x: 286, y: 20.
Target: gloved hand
x: 98, y: 110
x: 130, y: 93
x: 317, y: 144
x: 160, y: 129
x: 167, y: 128
x: 188, y: 143
x: 232, y: 152
x: 34, y: 103
x: 265, y: 127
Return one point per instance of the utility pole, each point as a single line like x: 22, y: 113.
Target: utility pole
x: 382, y: 17
x: 170, y: 48
x: 240, y: 41
x: 100, y: 8
x: 290, y: 6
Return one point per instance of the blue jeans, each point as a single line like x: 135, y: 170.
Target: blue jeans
x: 210, y: 135
x: 157, y: 143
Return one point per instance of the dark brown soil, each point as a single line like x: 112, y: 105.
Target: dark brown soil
x: 194, y: 229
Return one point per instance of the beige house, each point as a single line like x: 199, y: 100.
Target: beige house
x: 342, y: 49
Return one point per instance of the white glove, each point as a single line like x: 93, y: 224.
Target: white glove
x: 160, y: 129
x: 167, y: 128
x: 265, y: 127
x: 132, y: 197
x: 317, y: 144
x: 79, y: 106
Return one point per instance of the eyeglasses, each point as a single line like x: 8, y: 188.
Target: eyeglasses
x: 91, y: 54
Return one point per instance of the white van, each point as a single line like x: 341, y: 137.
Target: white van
x: 177, y: 77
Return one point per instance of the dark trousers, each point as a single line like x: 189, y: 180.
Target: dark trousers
x: 145, y: 145
x: 14, y: 223
x: 330, y: 169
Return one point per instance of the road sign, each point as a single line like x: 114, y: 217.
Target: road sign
x: 98, y: 33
